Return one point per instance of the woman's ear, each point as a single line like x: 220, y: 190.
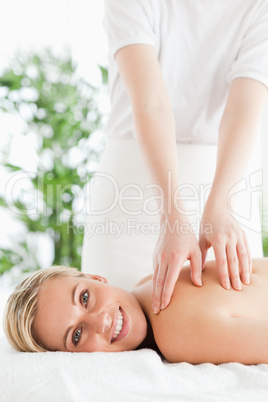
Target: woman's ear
x: 97, y: 278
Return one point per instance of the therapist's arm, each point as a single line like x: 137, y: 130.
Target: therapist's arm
x: 152, y: 112
x: 237, y: 135
x: 155, y: 132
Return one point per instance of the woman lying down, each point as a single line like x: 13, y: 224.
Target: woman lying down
x: 62, y: 309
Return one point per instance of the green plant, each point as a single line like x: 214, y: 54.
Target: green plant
x: 60, y: 112
x: 265, y: 246
x: 265, y: 231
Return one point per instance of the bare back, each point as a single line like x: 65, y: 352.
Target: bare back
x: 209, y: 323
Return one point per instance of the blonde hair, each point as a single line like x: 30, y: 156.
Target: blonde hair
x: 21, y: 308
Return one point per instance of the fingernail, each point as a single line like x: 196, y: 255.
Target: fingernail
x: 163, y: 306
x: 200, y: 282
x: 227, y: 285
x: 238, y: 285
x: 155, y: 309
x: 247, y: 280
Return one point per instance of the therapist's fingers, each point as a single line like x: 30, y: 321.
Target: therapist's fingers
x: 172, y: 274
x: 244, y: 262
x: 204, y: 245
x: 155, y: 270
x: 158, y: 284
x: 155, y: 274
x: 233, y: 264
x: 246, y: 244
x: 221, y: 260
x: 196, y: 267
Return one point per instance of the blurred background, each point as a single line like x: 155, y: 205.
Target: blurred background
x: 53, y: 107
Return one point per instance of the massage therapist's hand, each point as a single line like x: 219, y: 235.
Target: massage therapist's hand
x: 221, y: 231
x: 172, y: 250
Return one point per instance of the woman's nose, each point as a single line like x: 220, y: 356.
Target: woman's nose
x: 101, y: 322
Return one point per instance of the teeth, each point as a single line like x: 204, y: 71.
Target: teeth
x: 119, y: 325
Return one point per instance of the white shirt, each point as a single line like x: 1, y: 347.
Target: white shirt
x: 201, y: 46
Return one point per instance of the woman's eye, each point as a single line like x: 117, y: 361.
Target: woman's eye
x: 76, y: 337
x: 85, y: 297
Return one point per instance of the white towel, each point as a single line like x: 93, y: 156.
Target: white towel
x: 138, y: 376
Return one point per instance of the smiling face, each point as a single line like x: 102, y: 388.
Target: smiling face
x: 86, y: 314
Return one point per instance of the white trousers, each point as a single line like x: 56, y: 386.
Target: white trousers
x: 122, y: 224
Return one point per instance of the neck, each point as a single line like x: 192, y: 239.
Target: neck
x: 142, y: 292
x: 149, y: 341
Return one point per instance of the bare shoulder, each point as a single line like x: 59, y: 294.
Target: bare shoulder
x: 144, y: 280
x: 217, y: 339
x: 191, y: 328
x: 258, y: 264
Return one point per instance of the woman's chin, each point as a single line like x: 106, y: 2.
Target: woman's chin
x: 137, y: 335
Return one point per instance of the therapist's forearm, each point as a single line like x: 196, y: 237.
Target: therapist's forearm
x: 237, y: 135
x: 155, y: 133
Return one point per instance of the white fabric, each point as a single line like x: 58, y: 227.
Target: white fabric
x: 201, y: 47
x: 120, y: 234
x: 137, y: 376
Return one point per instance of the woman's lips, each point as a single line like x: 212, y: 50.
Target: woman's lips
x: 125, y: 327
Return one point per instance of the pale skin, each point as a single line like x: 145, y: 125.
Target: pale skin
x: 155, y: 133
x: 201, y: 324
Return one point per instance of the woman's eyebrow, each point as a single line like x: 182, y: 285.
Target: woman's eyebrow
x: 66, y: 336
x: 73, y: 294
x: 69, y: 328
